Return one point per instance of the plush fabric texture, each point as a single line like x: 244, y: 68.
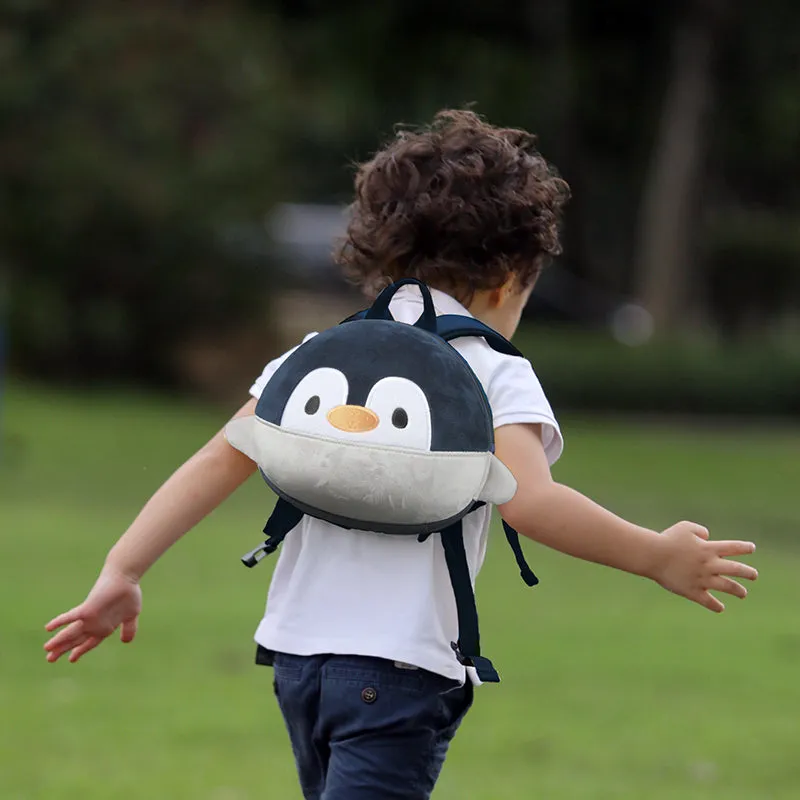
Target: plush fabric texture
x: 376, y: 425
x: 372, y: 487
x: 365, y: 351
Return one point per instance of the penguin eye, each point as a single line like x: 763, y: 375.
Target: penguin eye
x: 400, y: 418
x: 314, y: 396
x: 312, y: 406
x: 404, y: 414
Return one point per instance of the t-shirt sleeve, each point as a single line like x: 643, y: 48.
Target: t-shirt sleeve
x: 516, y: 396
x: 263, y: 379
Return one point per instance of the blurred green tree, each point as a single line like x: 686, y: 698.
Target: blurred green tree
x: 131, y: 137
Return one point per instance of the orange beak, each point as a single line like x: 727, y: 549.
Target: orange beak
x: 353, y: 419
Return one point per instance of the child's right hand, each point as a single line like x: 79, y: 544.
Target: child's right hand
x: 115, y: 600
x: 691, y: 566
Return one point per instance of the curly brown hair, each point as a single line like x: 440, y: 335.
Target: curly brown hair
x: 460, y: 204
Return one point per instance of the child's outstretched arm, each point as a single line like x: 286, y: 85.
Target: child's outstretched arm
x: 681, y: 559
x: 189, y: 495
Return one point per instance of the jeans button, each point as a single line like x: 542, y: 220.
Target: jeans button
x: 369, y: 695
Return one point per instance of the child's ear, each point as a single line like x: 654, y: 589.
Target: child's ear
x: 500, y: 295
x: 497, y: 297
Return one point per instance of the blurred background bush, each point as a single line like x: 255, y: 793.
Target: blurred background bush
x: 172, y: 174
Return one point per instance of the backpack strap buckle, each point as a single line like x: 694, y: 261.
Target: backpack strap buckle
x: 262, y: 551
x: 284, y: 517
x: 483, y: 667
x: 254, y: 556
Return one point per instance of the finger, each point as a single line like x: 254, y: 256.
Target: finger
x: 735, y: 569
x: 129, y: 629
x: 54, y: 655
x: 700, y: 531
x: 88, y: 645
x: 720, y: 584
x: 732, y: 548
x: 70, y: 632
x: 708, y: 601
x: 66, y: 646
x: 73, y: 615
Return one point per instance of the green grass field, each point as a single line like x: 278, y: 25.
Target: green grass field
x: 612, y: 688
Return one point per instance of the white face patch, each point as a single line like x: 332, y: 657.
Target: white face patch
x: 308, y: 405
x: 404, y: 414
x: 404, y: 417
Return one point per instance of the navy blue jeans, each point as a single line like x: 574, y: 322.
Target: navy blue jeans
x: 364, y: 729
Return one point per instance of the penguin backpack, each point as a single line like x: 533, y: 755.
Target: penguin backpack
x: 378, y: 425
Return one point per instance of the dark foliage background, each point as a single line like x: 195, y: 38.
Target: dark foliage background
x: 142, y: 146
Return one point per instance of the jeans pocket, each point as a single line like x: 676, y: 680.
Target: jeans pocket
x: 375, y: 673
x: 455, y: 702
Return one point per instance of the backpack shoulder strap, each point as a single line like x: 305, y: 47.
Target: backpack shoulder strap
x: 468, y: 647
x: 525, y: 572
x: 357, y: 315
x: 454, y: 326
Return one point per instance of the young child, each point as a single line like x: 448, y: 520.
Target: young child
x: 358, y: 625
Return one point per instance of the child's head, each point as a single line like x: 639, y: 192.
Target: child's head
x: 461, y: 205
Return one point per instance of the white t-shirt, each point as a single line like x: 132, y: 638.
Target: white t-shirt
x: 361, y: 593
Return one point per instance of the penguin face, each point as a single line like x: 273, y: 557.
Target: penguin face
x: 376, y: 425
x: 385, y: 384
x: 396, y: 412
